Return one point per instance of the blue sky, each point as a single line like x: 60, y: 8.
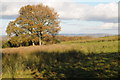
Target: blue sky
x: 76, y: 16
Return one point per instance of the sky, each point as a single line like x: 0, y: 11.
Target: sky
x: 76, y: 16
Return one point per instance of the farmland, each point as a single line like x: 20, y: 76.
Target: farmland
x: 80, y: 58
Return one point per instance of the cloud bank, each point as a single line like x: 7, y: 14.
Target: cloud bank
x: 100, y: 12
x: 70, y: 10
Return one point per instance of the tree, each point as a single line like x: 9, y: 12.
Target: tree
x: 35, y: 23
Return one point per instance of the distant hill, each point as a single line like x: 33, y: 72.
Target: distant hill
x: 92, y: 35
x: 4, y: 37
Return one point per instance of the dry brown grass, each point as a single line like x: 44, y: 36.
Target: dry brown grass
x: 30, y: 49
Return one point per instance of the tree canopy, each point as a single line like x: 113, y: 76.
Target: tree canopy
x: 36, y: 24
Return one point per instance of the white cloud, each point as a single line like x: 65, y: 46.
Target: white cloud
x: 20, y: 0
x: 59, y: 0
x: 104, y: 12
x: 109, y: 26
x: 71, y: 10
x: 11, y: 9
x: 100, y: 12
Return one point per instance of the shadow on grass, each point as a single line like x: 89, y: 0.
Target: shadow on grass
x: 69, y: 64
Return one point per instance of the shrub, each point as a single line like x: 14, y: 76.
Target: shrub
x: 5, y: 44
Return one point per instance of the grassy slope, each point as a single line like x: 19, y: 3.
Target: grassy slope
x: 96, y: 45
x: 71, y: 56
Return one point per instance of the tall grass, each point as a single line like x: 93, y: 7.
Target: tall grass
x: 66, y: 60
x: 70, y: 64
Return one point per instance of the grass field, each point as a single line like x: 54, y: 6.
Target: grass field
x: 92, y: 58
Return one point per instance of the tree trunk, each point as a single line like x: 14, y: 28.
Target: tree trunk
x: 33, y: 43
x: 20, y: 45
x: 40, y: 38
x: 40, y: 41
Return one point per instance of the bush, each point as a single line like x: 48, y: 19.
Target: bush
x: 56, y: 41
x: 5, y: 44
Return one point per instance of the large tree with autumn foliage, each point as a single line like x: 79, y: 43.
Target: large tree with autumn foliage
x: 35, y: 24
